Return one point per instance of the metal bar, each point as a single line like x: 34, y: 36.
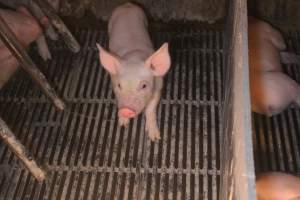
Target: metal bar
x: 238, y: 177
x: 67, y: 36
x: 8, y: 137
x: 11, y: 42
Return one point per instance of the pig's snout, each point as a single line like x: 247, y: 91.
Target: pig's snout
x: 126, y: 113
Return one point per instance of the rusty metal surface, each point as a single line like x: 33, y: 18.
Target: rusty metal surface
x: 87, y: 156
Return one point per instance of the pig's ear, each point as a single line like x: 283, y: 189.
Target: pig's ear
x: 109, y: 61
x: 159, y: 62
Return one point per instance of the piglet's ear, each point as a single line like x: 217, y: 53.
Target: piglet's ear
x: 108, y: 61
x: 159, y: 61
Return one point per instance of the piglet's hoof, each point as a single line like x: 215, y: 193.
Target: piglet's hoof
x: 154, y: 135
x: 123, y: 122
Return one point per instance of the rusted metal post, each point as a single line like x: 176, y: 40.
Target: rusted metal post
x: 9, y: 138
x: 12, y: 43
x: 67, y: 36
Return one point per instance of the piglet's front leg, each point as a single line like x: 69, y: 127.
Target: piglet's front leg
x: 151, y: 120
x: 123, y: 121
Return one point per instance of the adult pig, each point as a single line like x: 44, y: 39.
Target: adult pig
x: 26, y: 30
x: 271, y: 90
x: 136, y: 70
x: 41, y: 18
x: 277, y: 186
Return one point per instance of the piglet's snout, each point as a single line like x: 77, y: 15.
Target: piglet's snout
x: 126, y: 112
x: 129, y: 105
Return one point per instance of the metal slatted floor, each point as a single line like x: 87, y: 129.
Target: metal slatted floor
x: 277, y: 139
x: 87, y: 156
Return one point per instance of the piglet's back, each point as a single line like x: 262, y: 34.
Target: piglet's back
x: 128, y: 30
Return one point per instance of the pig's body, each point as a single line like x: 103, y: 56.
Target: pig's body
x: 26, y: 30
x: 128, y: 33
x: 136, y: 70
x: 271, y: 90
x: 277, y: 186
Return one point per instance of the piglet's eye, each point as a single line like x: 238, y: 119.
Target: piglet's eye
x: 143, y: 85
x: 119, y: 85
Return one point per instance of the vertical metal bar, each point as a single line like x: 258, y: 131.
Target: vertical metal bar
x: 238, y: 178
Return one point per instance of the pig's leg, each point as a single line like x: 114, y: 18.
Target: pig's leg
x: 277, y: 39
x: 50, y: 31
x: 123, y: 121
x: 41, y: 41
x: 151, y: 121
x: 43, y: 48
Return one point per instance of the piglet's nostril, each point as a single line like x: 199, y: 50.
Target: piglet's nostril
x: 126, y: 112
